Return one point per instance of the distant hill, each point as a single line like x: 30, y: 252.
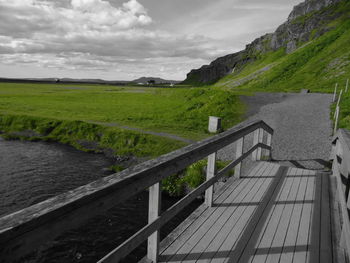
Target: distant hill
x: 144, y: 80
x: 310, y: 50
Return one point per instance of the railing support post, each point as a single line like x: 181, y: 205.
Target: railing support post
x: 335, y: 92
x: 239, y: 153
x: 336, y: 120
x: 268, y: 143
x: 214, y: 127
x: 210, y: 174
x: 153, y: 214
x: 258, y: 138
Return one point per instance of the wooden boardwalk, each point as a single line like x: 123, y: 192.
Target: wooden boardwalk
x: 271, y: 215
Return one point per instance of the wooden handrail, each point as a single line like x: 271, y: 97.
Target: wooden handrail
x: 25, y: 230
x: 341, y: 170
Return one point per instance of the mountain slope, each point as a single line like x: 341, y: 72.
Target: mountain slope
x: 312, y: 45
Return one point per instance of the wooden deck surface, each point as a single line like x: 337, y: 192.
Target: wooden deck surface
x: 274, y: 214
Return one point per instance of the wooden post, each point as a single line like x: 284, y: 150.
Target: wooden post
x: 336, y: 119
x: 239, y: 152
x: 339, y: 98
x: 153, y: 213
x: 335, y: 92
x: 255, y: 141
x: 261, y: 138
x: 269, y: 143
x: 258, y: 137
x: 347, y: 85
x: 210, y: 174
x: 214, y: 127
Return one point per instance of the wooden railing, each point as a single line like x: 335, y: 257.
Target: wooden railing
x: 25, y: 230
x: 341, y: 170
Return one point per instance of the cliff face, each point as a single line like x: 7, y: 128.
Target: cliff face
x: 305, y: 22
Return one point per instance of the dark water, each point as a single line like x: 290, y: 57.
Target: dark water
x: 31, y: 172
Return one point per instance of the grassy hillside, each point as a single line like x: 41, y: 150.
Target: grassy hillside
x: 316, y: 65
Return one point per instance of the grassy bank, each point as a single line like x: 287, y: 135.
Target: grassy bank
x: 181, y: 111
x: 86, y: 136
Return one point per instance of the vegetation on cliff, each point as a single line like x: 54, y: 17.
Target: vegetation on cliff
x: 315, y: 35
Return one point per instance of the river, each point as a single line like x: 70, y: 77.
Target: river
x: 31, y: 172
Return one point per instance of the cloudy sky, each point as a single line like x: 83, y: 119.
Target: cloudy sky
x: 127, y: 39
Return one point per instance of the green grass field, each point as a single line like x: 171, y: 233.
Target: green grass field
x: 180, y: 111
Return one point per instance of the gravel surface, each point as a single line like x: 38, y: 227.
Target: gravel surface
x: 302, y: 127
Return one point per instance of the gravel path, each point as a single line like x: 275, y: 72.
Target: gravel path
x: 301, y: 123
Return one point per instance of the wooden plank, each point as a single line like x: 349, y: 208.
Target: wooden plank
x: 194, y: 239
x: 234, y: 223
x: 265, y: 237
x: 281, y: 228
x: 338, y: 252
x: 229, y: 241
x: 260, y: 214
x: 326, y: 250
x: 154, y: 209
x: 313, y: 254
x: 305, y: 221
x: 291, y: 237
x: 181, y: 240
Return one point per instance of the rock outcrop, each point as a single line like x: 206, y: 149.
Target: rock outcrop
x: 305, y: 22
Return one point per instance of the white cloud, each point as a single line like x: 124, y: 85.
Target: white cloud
x: 121, y: 37
x: 89, y: 33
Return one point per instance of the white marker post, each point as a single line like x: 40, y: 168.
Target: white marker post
x: 336, y: 120
x: 335, y: 92
x: 337, y: 107
x: 339, y: 98
x: 347, y: 85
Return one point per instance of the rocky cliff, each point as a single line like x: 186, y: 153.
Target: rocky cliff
x: 307, y: 21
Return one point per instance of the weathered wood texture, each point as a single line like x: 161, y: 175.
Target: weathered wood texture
x: 271, y: 215
x: 340, y: 168
x: 26, y: 230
